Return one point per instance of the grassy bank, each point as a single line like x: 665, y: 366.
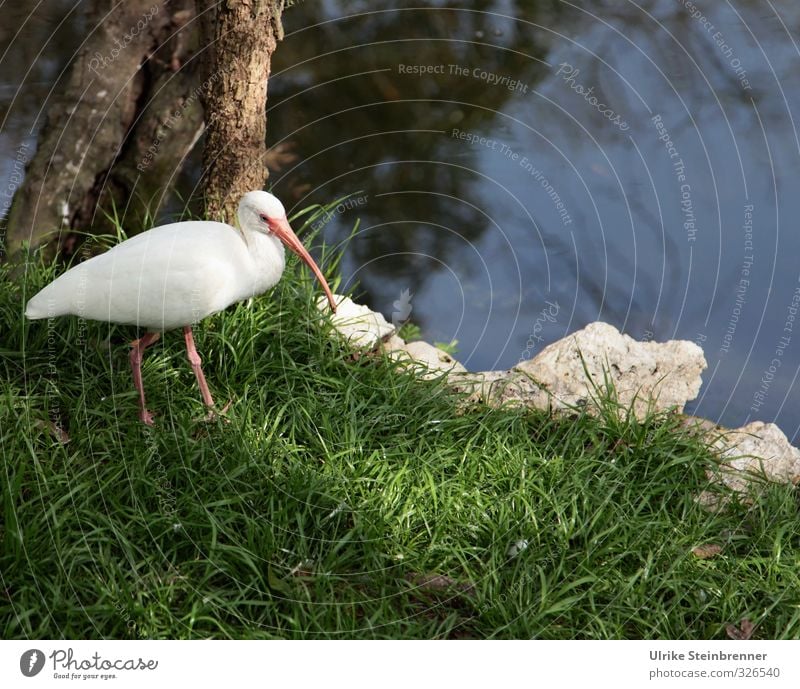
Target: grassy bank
x: 343, y: 498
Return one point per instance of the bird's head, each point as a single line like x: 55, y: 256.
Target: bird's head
x: 263, y: 212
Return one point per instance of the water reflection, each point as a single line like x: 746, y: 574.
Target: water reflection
x: 495, y: 184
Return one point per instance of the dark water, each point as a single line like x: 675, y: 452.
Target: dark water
x: 523, y: 168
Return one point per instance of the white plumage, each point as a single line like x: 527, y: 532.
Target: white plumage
x: 165, y: 278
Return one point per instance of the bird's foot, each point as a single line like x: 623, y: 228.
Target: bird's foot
x: 214, y: 414
x: 146, y: 417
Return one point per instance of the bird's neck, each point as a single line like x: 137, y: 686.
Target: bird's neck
x: 268, y: 255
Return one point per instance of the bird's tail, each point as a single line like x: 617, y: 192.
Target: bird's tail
x: 44, y: 304
x: 36, y: 308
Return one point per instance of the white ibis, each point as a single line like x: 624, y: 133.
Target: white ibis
x: 175, y: 275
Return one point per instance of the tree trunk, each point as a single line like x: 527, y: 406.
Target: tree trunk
x: 128, y: 110
x: 239, y: 38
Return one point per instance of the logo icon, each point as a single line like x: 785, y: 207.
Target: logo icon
x: 31, y: 662
x: 402, y: 309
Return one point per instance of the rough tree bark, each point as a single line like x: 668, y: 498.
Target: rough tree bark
x: 239, y: 39
x: 129, y: 109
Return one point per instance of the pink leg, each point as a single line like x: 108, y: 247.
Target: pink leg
x: 137, y: 350
x: 194, y: 360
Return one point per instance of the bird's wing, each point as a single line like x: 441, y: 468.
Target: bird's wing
x: 166, y: 277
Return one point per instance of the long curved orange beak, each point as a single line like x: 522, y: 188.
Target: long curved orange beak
x: 283, y: 231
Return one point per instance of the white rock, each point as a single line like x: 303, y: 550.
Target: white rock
x: 430, y: 361
x: 482, y: 386
x: 361, y: 327
x: 516, y: 548
x: 649, y: 375
x: 757, y: 449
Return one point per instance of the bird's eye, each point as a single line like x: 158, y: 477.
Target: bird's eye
x: 264, y: 218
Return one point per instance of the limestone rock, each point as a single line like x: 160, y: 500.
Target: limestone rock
x: 658, y: 375
x: 430, y: 361
x: 757, y: 449
x: 652, y: 375
x: 361, y: 327
x: 497, y: 388
x: 478, y: 386
x: 394, y: 343
x: 701, y: 427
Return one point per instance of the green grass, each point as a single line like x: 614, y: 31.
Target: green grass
x: 334, y: 491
